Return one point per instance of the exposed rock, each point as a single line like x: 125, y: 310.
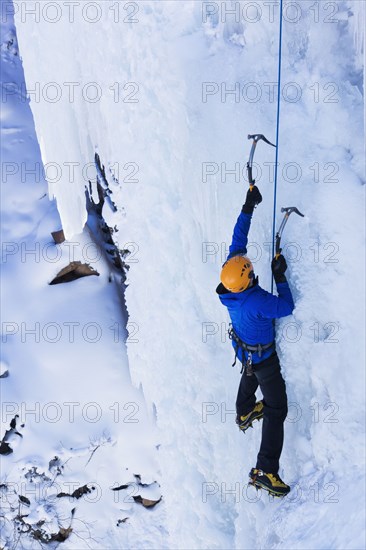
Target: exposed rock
x: 121, y: 521
x: 146, y: 502
x: 121, y: 487
x: 58, y: 236
x: 5, y: 448
x: 55, y: 466
x: 62, y: 535
x: 33, y: 475
x: 115, y: 255
x: 78, y: 493
x: 4, y: 370
x: 24, y: 500
x: 75, y: 270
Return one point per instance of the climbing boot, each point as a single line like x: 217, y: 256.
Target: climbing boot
x: 245, y: 422
x: 269, y: 482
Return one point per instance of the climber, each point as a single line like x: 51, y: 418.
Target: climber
x: 252, y: 312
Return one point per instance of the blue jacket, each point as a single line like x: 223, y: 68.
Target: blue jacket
x: 253, y: 311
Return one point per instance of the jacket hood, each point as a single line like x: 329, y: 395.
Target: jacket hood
x: 220, y: 290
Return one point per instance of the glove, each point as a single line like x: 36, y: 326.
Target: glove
x: 279, y: 267
x: 253, y: 198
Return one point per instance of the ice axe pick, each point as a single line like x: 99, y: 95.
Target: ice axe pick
x: 288, y: 210
x: 255, y: 138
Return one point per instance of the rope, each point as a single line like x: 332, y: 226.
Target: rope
x: 277, y: 137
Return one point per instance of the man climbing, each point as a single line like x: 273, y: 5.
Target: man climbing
x: 252, y: 311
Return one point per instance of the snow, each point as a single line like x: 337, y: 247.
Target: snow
x: 63, y: 347
x: 179, y: 90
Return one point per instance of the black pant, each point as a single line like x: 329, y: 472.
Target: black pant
x: 269, y: 378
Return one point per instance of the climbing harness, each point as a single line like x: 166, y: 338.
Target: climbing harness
x: 246, y: 364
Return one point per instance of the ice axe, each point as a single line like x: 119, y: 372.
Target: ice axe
x: 255, y: 138
x: 287, y: 212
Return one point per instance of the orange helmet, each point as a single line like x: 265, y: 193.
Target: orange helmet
x: 237, y: 273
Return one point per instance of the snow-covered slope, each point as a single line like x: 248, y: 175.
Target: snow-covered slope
x: 68, y: 391
x: 178, y: 87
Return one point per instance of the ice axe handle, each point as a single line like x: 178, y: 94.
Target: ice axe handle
x: 278, y: 247
x: 288, y: 210
x: 250, y: 176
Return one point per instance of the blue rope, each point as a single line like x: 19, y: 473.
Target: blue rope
x: 277, y: 137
